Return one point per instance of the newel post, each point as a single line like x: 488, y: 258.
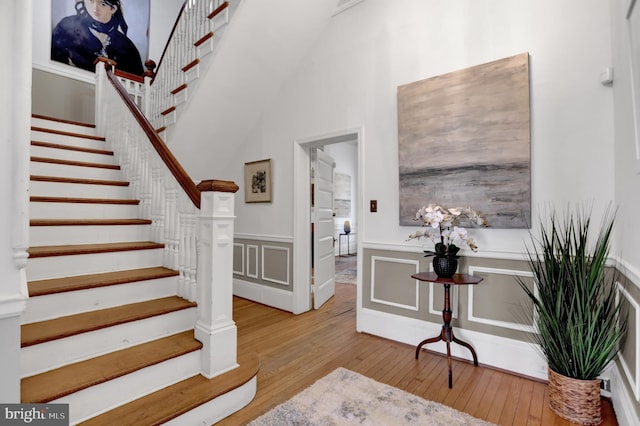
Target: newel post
x: 215, y: 327
x: 102, y: 64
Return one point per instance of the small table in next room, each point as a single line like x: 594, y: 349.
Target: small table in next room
x: 446, y: 334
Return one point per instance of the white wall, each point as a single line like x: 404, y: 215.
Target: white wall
x: 350, y: 79
x: 627, y: 164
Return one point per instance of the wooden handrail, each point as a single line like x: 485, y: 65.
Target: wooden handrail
x: 161, y: 148
x: 129, y: 76
x: 166, y: 46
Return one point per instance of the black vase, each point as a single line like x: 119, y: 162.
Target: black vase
x: 445, y: 267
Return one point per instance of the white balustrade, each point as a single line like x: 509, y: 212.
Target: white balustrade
x: 153, y: 96
x: 197, y: 234
x: 180, y: 51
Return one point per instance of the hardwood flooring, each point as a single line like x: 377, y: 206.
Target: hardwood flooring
x: 297, y: 350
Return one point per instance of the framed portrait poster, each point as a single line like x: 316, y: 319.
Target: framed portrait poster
x: 257, y: 181
x: 82, y: 30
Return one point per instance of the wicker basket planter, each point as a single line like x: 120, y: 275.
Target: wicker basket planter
x: 575, y: 400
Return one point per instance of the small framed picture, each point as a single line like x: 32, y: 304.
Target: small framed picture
x: 257, y: 181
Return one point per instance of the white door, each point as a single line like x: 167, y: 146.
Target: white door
x: 324, y: 285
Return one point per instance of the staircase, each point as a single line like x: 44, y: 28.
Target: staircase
x: 104, y: 330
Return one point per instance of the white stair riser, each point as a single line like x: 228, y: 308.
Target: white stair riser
x: 60, y: 235
x: 78, y: 190
x: 181, y: 97
x: 69, y: 154
x: 57, y: 353
x: 47, y: 210
x: 170, y: 118
x: 42, y: 268
x: 192, y: 74
x: 109, y: 395
x: 65, y: 127
x: 78, y: 141
x: 217, y: 409
x: 42, y: 308
x: 79, y: 172
x: 218, y: 22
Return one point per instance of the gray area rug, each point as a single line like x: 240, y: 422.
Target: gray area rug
x: 347, y: 276
x: 347, y: 398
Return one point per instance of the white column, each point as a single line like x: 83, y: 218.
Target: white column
x: 215, y: 327
x: 15, y: 122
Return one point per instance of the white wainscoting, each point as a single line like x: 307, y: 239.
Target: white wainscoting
x: 634, y: 318
x: 275, y: 297
x: 500, y: 352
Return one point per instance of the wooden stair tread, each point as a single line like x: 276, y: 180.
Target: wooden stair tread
x: 64, y: 133
x: 179, y: 88
x: 42, y: 199
x: 75, y: 163
x: 59, y: 179
x: 203, y: 39
x: 68, y: 379
x: 71, y: 148
x: 58, y: 328
x: 168, y: 110
x: 74, y: 249
x: 173, y: 401
x: 84, y: 282
x: 191, y: 65
x: 61, y: 120
x: 218, y: 9
x: 88, y: 222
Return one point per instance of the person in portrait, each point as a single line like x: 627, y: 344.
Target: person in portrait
x: 97, y: 29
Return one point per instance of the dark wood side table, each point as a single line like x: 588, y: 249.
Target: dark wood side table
x: 447, y: 331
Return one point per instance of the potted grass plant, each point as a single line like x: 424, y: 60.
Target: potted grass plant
x: 579, y: 321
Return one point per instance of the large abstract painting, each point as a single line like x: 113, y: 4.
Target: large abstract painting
x: 464, y: 140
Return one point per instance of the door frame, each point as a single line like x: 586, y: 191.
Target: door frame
x: 302, y: 210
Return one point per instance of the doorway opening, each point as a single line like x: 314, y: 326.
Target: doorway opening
x: 346, y: 149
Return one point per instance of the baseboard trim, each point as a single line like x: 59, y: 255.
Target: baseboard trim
x: 499, y: 352
x: 269, y: 296
x: 623, y: 404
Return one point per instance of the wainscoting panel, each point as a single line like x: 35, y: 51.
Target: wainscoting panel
x: 263, y: 262
x: 238, y: 258
x: 276, y: 264
x: 498, y: 289
x: 629, y: 358
x: 395, y: 285
x: 252, y: 261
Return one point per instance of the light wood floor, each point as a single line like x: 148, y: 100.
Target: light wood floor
x: 297, y: 350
